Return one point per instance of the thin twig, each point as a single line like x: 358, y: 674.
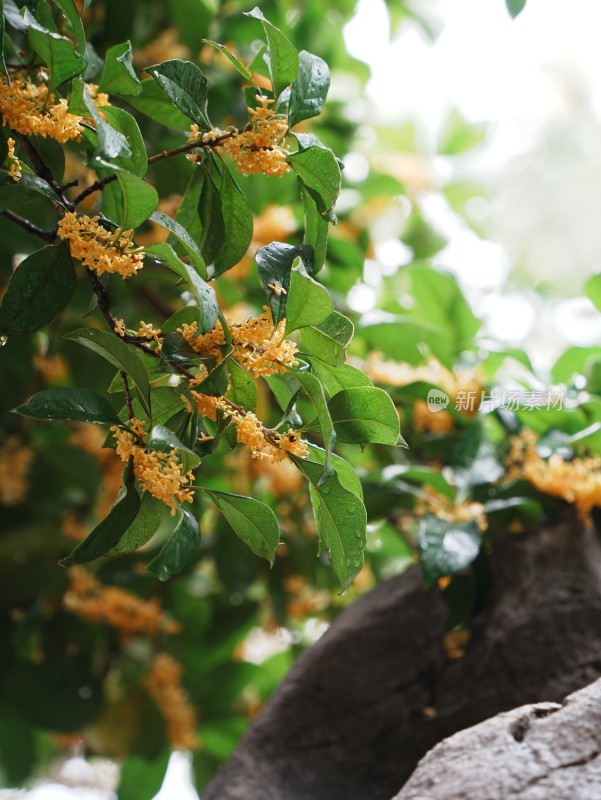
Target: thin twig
x: 46, y: 236
x: 43, y: 170
x: 194, y: 144
x: 127, y: 393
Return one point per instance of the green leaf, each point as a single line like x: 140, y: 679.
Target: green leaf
x: 446, y: 547
x: 243, y: 387
x: 56, y: 51
x: 211, y: 234
x: 139, y: 199
x: 176, y: 350
x: 70, y: 11
x: 143, y: 528
x: 237, y: 223
x: 118, y: 354
x: 347, y: 474
x: 154, y: 103
x: 411, y: 340
x: 308, y: 303
x: 163, y: 439
x: 314, y: 391
x: 180, y: 549
x: 592, y: 290
x: 124, y: 123
x: 275, y: 262
x: 283, y: 56
x: 309, y: 90
x: 182, y: 235
x: 571, y: 362
x: 140, y: 779
x: 30, y: 183
x: 17, y: 745
x: 208, y: 308
x: 107, y: 533
x: 110, y: 142
x: 185, y: 316
x: 118, y: 74
x: 316, y: 231
x: 319, y: 172
x: 459, y: 135
x: 242, y: 70
x: 215, y: 384
x: 80, y: 405
x: 341, y: 520
x: 3, y: 69
x: 515, y: 7
x: 39, y: 289
x: 335, y: 379
x: 365, y: 414
x: 252, y: 521
x: 328, y: 340
x: 186, y: 87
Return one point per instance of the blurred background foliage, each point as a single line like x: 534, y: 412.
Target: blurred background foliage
x: 71, y: 685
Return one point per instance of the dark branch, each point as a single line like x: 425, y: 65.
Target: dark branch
x: 127, y: 393
x: 46, y: 236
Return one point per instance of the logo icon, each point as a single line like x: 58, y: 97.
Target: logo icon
x: 437, y: 400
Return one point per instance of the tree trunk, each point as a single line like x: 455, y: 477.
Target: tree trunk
x: 369, y: 699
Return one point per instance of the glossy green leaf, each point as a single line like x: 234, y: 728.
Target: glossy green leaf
x: 39, y: 289
x: 107, y: 533
x: 328, y: 340
x: 341, y: 520
x: 70, y: 11
x: 57, y: 52
x: 335, y: 379
x: 308, y: 303
x: 252, y: 521
x: 143, y: 528
x: 29, y: 184
x: 319, y: 172
x: 138, y: 199
x: 118, y: 74
x: 110, y: 142
x: 446, y: 547
x: 180, y: 549
x: 211, y: 234
x: 283, y: 56
x: 80, y: 405
x: 243, y: 387
x: 237, y: 223
x: 186, y: 87
x: 411, y: 340
x: 154, y: 103
x: 275, y: 262
x: 119, y: 354
x: 164, y: 440
x: 3, y: 69
x: 365, y: 414
x: 316, y: 231
x: 242, y: 70
x: 184, y: 238
x: 125, y: 124
x: 309, y: 90
x: 314, y: 391
x: 176, y: 350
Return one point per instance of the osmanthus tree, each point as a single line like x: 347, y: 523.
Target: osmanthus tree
x: 181, y: 377
x: 251, y: 361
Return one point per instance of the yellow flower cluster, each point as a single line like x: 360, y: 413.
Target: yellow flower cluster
x: 15, y: 165
x: 259, y: 347
x: 15, y: 461
x: 161, y: 474
x: 441, y: 506
x: 260, y: 148
x: 146, y: 331
x: 28, y: 108
x: 260, y: 441
x: 164, y: 685
x: 99, y: 249
x: 577, y: 481
x: 111, y: 605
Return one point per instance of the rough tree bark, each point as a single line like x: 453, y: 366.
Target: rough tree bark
x: 349, y: 720
x: 539, y: 752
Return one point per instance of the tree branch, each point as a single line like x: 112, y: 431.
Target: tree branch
x: 46, y: 236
